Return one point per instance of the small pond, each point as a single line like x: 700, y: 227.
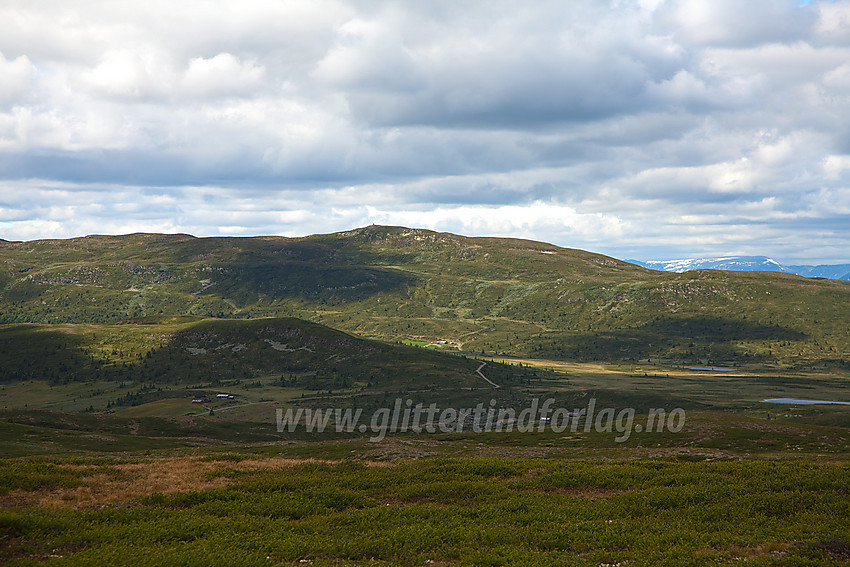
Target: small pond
x: 801, y: 402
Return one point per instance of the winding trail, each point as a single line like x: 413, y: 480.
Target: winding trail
x: 483, y: 364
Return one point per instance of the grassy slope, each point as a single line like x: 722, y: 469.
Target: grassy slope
x: 435, y: 512
x: 75, y: 366
x: 483, y: 294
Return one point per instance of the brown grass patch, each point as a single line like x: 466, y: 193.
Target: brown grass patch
x: 167, y: 476
x: 533, y: 473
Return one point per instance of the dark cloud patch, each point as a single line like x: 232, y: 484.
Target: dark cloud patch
x: 523, y: 73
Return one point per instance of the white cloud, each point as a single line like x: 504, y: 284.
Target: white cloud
x: 16, y: 78
x: 782, y: 64
x: 834, y: 166
x: 730, y: 22
x: 833, y: 22
x: 128, y: 73
x: 598, y: 124
x: 837, y: 80
x: 370, y: 56
x: 222, y: 75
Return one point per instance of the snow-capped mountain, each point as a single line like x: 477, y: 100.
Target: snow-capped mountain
x: 834, y: 272
x: 747, y: 264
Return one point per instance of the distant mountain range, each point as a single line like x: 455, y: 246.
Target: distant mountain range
x: 747, y: 264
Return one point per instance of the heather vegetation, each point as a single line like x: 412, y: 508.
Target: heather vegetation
x: 438, y: 512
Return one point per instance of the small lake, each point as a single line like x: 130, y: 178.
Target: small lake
x: 801, y: 402
x: 713, y: 369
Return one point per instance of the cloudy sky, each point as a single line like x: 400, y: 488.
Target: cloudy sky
x: 650, y: 129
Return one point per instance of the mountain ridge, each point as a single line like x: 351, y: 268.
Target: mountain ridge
x: 492, y: 296
x: 748, y: 263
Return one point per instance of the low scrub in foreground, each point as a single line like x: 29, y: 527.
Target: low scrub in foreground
x: 477, y: 511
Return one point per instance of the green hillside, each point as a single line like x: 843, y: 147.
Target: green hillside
x: 116, y: 366
x: 479, y: 295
